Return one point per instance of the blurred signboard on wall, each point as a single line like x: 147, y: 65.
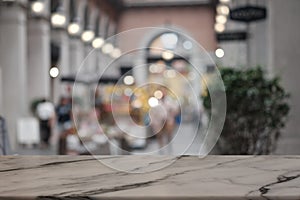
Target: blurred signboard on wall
x: 248, y: 13
x: 28, y: 131
x: 232, y: 36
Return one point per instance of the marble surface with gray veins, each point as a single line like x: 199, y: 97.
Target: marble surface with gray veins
x: 189, y: 177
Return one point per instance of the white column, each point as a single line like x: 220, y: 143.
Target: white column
x: 1, y: 94
x: 89, y: 65
x: 76, y: 54
x: 13, y: 52
x: 38, y: 59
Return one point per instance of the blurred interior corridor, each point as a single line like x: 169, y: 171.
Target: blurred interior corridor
x: 115, y: 77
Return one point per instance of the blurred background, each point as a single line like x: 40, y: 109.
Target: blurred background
x: 45, y: 43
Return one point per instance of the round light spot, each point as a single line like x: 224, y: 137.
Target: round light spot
x: 107, y: 48
x: 152, y: 101
x: 97, y: 42
x: 128, y: 80
x: 54, y: 72
x: 170, y: 73
x: 223, y: 10
x: 73, y: 28
x: 187, y: 45
x: 58, y: 20
x: 167, y: 55
x: 221, y: 19
x: 219, y: 53
x: 116, y: 53
x: 158, y: 94
x: 88, y: 35
x: 37, y: 7
x: 219, y: 28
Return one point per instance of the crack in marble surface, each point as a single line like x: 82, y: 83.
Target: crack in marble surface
x: 280, y: 179
x: 91, y: 158
x: 126, y: 186
x: 189, y: 177
x: 46, y: 164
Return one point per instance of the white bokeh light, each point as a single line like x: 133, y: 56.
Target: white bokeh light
x: 88, y: 35
x: 73, y: 28
x: 220, y: 53
x: 221, y: 19
x: 219, y: 27
x: 116, y: 53
x: 98, y: 42
x: 152, y: 101
x: 158, y: 94
x: 54, y: 72
x: 58, y: 20
x: 128, y: 80
x: 37, y: 7
x: 167, y: 55
x: 107, y: 48
x: 223, y: 10
x: 170, y: 73
x: 187, y: 45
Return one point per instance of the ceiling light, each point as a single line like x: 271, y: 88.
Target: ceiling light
x: 219, y: 28
x: 152, y: 101
x: 54, y: 72
x: 98, y: 42
x: 223, y: 9
x: 219, y: 53
x: 37, y: 7
x: 107, y: 48
x: 167, y: 55
x: 158, y: 94
x: 128, y: 80
x: 88, y: 35
x: 73, y: 28
x: 116, y: 53
x: 221, y: 19
x: 58, y: 20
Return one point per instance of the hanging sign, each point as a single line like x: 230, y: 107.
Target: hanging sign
x: 230, y: 36
x: 248, y: 13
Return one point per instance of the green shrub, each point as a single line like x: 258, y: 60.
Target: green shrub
x: 257, y: 110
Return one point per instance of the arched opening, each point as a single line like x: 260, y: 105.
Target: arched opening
x: 168, y: 56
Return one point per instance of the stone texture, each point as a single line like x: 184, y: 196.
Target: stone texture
x: 185, y: 177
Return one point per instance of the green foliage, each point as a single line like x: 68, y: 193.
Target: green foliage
x: 257, y: 110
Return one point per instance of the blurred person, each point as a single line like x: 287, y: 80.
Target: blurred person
x: 163, y: 120
x: 46, y: 114
x: 4, y: 140
x: 64, y: 112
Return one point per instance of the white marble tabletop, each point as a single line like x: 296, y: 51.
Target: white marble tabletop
x: 213, y: 177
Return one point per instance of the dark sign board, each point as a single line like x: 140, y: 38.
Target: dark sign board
x: 106, y: 80
x: 248, y: 13
x: 126, y: 70
x: 230, y: 36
